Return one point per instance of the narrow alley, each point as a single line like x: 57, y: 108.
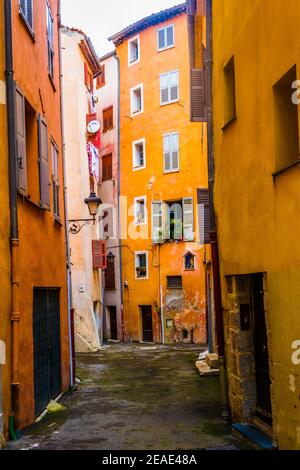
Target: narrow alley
x: 136, y: 397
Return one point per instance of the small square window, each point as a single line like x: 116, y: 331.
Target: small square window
x: 137, y: 102
x: 139, y: 154
x: 174, y: 282
x: 134, y: 50
x: 165, y: 38
x: 141, y: 265
x: 140, y: 211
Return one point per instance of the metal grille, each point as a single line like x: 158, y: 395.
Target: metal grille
x: 47, y: 347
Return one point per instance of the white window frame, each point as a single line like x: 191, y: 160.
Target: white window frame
x: 168, y: 74
x: 130, y: 41
x: 186, y: 226
x: 173, y: 170
x: 136, y: 221
x: 165, y: 29
x: 132, y: 90
x: 137, y: 142
x: 137, y: 253
x: 50, y: 39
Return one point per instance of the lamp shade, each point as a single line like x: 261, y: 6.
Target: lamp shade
x: 93, y: 203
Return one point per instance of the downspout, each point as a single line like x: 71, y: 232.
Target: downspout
x: 213, y: 228
x: 15, y: 316
x: 119, y: 195
x: 68, y: 251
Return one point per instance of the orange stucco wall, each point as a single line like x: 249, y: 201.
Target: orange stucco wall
x: 156, y: 120
x: 5, y: 304
x: 42, y: 253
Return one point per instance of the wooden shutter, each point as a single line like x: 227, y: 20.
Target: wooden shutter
x: 204, y: 216
x: 157, y: 222
x: 99, y: 254
x: 188, y: 219
x: 21, y: 160
x: 108, y: 121
x: 86, y: 75
x: 101, y: 77
x: 110, y: 281
x: 44, y: 164
x: 198, y: 101
x: 107, y: 167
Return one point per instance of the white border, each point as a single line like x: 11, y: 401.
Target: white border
x: 167, y: 47
x: 141, y: 86
x: 147, y: 265
x: 139, y: 141
x: 130, y: 64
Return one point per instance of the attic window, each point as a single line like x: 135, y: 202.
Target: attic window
x: 134, y: 50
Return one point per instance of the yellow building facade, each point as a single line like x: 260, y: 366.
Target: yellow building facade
x: 163, y: 173
x: 257, y: 202
x: 5, y: 307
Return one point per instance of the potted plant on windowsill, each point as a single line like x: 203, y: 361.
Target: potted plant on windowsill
x: 177, y: 226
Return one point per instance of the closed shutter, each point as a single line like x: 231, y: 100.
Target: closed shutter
x: 198, y: 101
x: 188, y: 219
x: 86, y: 75
x: 204, y: 216
x: 108, y: 122
x: 44, y: 164
x: 110, y: 282
x: 107, y: 167
x: 99, y: 254
x: 21, y: 142
x: 157, y: 222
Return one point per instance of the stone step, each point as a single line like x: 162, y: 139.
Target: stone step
x: 206, y: 371
x: 212, y: 361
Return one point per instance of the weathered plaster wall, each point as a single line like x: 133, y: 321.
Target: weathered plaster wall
x: 86, y: 282
x: 258, y: 216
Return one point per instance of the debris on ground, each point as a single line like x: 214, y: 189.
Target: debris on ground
x: 209, y: 366
x: 55, y: 407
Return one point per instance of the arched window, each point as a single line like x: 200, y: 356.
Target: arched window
x: 189, y: 261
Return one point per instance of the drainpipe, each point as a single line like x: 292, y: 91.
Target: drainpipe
x: 119, y: 194
x: 213, y: 231
x: 15, y: 316
x: 67, y: 235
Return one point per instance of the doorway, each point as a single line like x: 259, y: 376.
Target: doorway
x: 113, y: 323
x: 47, y: 346
x: 147, y: 323
x: 261, y: 350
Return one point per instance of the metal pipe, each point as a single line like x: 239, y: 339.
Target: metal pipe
x: 68, y: 252
x: 213, y: 231
x: 15, y: 315
x: 119, y: 194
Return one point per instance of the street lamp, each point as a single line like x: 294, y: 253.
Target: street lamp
x: 93, y: 202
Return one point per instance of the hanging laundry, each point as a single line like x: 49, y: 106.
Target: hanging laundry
x: 95, y: 167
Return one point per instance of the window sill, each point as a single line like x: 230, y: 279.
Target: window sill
x: 138, y: 168
x: 134, y: 62
x: 286, y: 168
x: 170, y: 172
x: 28, y: 27
x: 169, y: 102
x: 166, y: 48
x: 228, y: 123
x: 137, y: 113
x: 52, y: 82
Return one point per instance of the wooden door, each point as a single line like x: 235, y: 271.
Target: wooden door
x: 147, y: 323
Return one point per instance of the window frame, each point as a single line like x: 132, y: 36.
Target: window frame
x: 173, y: 277
x: 164, y: 28
x: 137, y: 223
x: 25, y: 19
x: 111, y: 127
x: 50, y: 40
x: 103, y: 157
x: 130, y: 41
x: 173, y: 170
x: 168, y: 74
x: 134, y: 144
x: 132, y: 90
x: 136, y: 254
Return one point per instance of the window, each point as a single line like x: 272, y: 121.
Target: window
x: 110, y: 278
x: 286, y: 121
x: 189, y: 261
x: 134, y: 50
x: 50, y: 41
x: 141, y: 265
x: 107, y: 167
x: 101, y: 77
x: 88, y: 78
x: 165, y: 37
x: 108, y: 119
x: 26, y: 11
x: 137, y: 100
x: 99, y: 254
x: 139, y: 154
x: 55, y: 180
x: 171, y: 152
x: 169, y: 87
x: 140, y: 210
x: 174, y: 282
x: 230, y: 100
x: 173, y: 221
x: 204, y: 216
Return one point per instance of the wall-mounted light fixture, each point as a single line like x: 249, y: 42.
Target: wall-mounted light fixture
x: 93, y: 202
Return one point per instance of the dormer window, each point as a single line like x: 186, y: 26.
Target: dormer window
x: 134, y: 50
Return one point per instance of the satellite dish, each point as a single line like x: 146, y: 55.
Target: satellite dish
x: 93, y: 127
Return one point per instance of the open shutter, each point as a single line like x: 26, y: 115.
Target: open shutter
x: 188, y: 219
x: 204, y: 216
x: 86, y: 75
x: 99, y: 254
x: 198, y: 101
x: 21, y: 142
x: 44, y: 164
x: 157, y: 222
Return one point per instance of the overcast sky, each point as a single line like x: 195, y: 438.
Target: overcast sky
x: 100, y: 19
